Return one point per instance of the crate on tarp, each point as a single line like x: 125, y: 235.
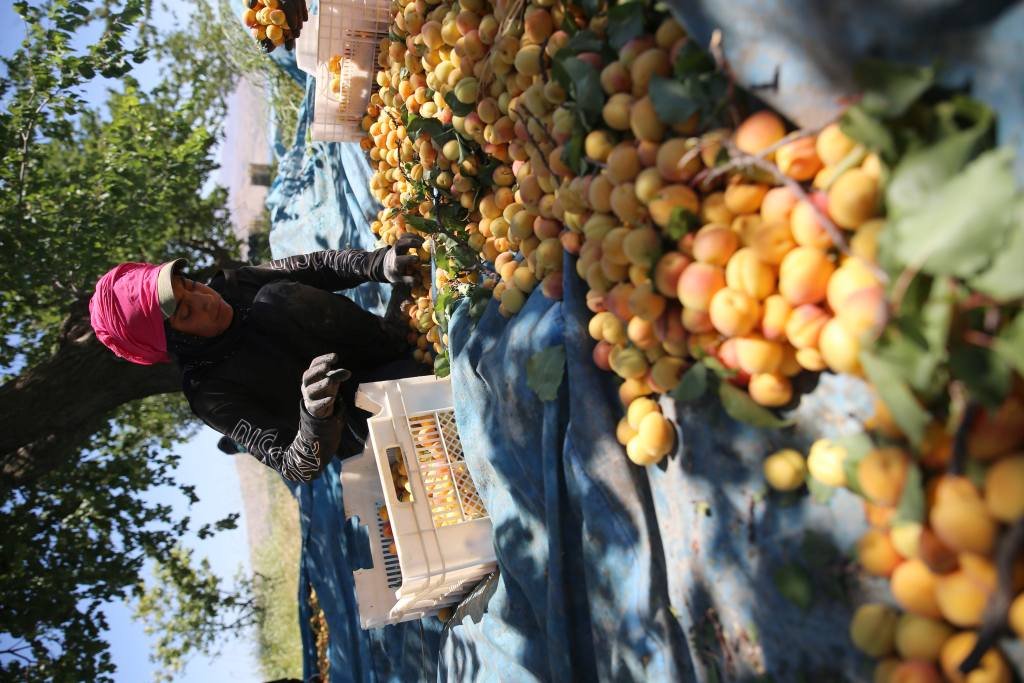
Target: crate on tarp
x: 353, y: 31
x: 440, y: 544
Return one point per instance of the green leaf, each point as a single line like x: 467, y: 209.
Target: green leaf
x: 585, y: 88
x: 911, y: 507
x: 905, y: 409
x: 794, y: 584
x: 922, y: 170
x: 458, y: 108
x: 820, y: 493
x: 544, y: 372
x: 625, y: 22
x: 583, y: 41
x: 674, y: 101
x: 984, y: 372
x: 740, y: 406
x: 572, y: 153
x: 1010, y: 343
x: 1002, y: 280
x: 857, y: 446
x: 444, y: 297
x: 866, y: 129
x: 681, y: 222
x: 691, y: 60
x: 86, y: 70
x: 421, y: 124
x: 427, y: 225
x: 951, y: 235
x: 442, y: 367
x: 890, y: 89
x: 591, y: 7
x: 693, y: 384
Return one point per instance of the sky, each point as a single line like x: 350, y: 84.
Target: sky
x: 202, y: 465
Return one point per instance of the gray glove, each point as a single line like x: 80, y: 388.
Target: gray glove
x: 320, y: 384
x: 399, y: 266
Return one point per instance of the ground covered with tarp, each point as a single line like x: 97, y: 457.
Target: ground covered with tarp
x: 691, y: 570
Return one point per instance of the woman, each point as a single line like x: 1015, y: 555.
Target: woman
x: 257, y: 346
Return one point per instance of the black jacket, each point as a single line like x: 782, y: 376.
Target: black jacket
x: 254, y: 394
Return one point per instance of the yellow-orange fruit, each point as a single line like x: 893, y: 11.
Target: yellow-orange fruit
x: 670, y: 198
x: 921, y: 638
x: 804, y: 275
x: 1004, y: 489
x: 853, y: 198
x: 804, y: 325
x: 745, y: 272
x: 785, y: 470
x: 873, y: 629
x: 1016, y: 615
x: 743, y: 198
x: 839, y: 348
x: 656, y: 434
x: 733, y: 313
x: 913, y: 587
x: 759, y: 131
x: 772, y: 242
x: 632, y: 389
x: 807, y: 230
x: 714, y: 244
x: 698, y: 283
x: 876, y: 553
x: 777, y: 205
x: 832, y: 145
x: 915, y: 671
x: 712, y: 209
x: 992, y: 669
x: 644, y: 121
x: 770, y: 389
x: 798, y: 159
x: 882, y: 473
x: 624, y: 432
x: 638, y: 454
x: 639, y: 409
x: 960, y: 518
x: 994, y: 434
x: 884, y: 670
x: 825, y: 462
x: 962, y: 597
x: 906, y: 537
x: 757, y: 355
x: 669, y: 160
x: 864, y: 243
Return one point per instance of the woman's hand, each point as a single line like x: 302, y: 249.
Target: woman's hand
x: 318, y: 389
x: 399, y: 265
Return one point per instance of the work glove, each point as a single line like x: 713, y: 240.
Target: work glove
x: 320, y: 384
x: 400, y: 266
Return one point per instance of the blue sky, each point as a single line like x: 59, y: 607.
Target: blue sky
x: 202, y: 465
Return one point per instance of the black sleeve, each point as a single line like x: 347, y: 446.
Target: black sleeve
x: 298, y: 456
x: 330, y: 270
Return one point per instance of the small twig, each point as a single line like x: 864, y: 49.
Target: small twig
x: 994, y: 621
x: 978, y: 338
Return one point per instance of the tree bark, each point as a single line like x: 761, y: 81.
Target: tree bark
x: 49, y: 411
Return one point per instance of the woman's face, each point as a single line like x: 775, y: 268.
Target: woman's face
x: 201, y: 311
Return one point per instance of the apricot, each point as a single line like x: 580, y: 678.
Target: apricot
x: 798, y: 159
x: 529, y: 60
x: 810, y: 359
x: 1004, y: 489
x: 772, y: 242
x: 839, y: 348
x: 939, y: 557
x: 962, y: 598
x: 832, y: 145
x: 625, y: 205
x: 668, y: 33
x: 638, y: 409
x: 914, y: 588
x: 807, y: 229
x: 876, y: 553
x: 804, y: 325
x: 714, y: 244
x: 960, y: 518
x: 921, y: 638
x: 825, y: 462
x: 598, y: 145
x: 882, y: 473
x: 668, y: 160
x: 645, y: 303
x: 712, y: 209
x: 759, y: 131
x: 906, y: 538
x: 644, y: 121
x: 785, y: 470
x: 624, y: 431
x: 864, y: 243
x: 873, y: 629
x: 993, y: 667
x: 770, y: 389
x: 745, y: 272
x: 884, y: 670
x: 733, y: 313
x: 616, y: 111
x: 699, y: 282
x: 878, y: 516
x: 789, y: 366
x: 670, y: 198
x: 1016, y: 615
x: 744, y: 197
x: 853, y: 199
x: 537, y: 24
x: 804, y: 275
x: 993, y: 434
x: 512, y: 299
x: 666, y: 372
x: 600, y: 355
x: 697, y: 322
x: 599, y: 194
x: 623, y: 163
x: 915, y: 672
x: 656, y: 434
x: 615, y: 79
x: 777, y: 205
x: 758, y: 355
x: 776, y: 313
x: 647, y: 184
x: 667, y: 272
x: 745, y: 226
x: 646, y: 65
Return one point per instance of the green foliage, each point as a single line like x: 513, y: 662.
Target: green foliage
x: 190, y: 613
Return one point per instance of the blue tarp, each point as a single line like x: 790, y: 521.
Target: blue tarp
x: 610, y: 571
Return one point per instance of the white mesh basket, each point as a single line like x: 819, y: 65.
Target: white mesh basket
x: 353, y: 30
x: 442, y: 537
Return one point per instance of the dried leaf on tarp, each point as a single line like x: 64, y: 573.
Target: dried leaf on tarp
x: 544, y: 372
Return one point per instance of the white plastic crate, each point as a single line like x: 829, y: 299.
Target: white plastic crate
x: 352, y: 29
x: 443, y: 536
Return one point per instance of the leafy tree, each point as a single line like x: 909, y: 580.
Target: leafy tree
x: 192, y: 613
x: 83, y: 434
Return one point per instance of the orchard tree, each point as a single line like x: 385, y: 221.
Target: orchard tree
x: 84, y: 434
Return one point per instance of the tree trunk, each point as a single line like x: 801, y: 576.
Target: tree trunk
x: 49, y: 410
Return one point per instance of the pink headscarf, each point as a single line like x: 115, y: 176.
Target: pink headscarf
x: 126, y: 316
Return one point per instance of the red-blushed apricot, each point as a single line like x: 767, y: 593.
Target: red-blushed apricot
x: 696, y: 322
x: 645, y: 303
x: 758, y: 355
x: 714, y: 244
x: 667, y: 272
x: 770, y: 389
x: 807, y: 228
x: 747, y: 273
x: 733, y: 313
x: 601, y: 353
x: 776, y: 312
x: 777, y: 205
x: 798, y: 159
x: 670, y: 198
x: 804, y: 325
x: 804, y: 275
x: 759, y: 131
x: 698, y: 284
